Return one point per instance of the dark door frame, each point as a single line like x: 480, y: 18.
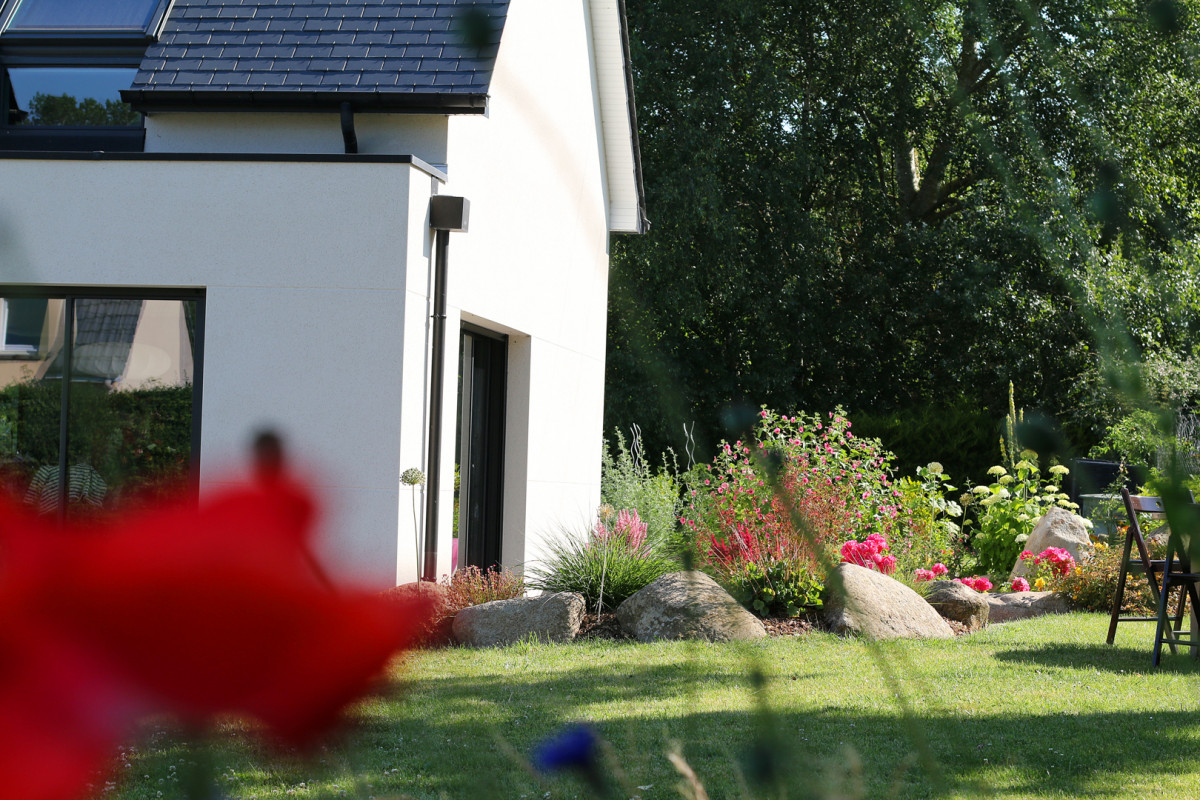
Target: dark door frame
x: 481, y: 439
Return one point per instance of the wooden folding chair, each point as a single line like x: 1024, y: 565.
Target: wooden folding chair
x: 1177, y: 571
x: 1142, y: 565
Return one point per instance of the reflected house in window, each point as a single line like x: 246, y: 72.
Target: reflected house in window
x: 225, y: 215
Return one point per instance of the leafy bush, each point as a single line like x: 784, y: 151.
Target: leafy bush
x: 606, y: 566
x: 1092, y: 585
x: 627, y: 482
x: 471, y: 587
x: 930, y: 530
x: 1010, y: 507
x: 766, y: 515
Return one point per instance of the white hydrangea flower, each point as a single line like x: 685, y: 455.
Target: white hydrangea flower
x: 997, y: 470
x: 980, y: 490
x: 1005, y: 479
x: 1059, y: 469
x: 935, y: 467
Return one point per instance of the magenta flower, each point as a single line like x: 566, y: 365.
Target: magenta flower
x: 1020, y: 585
x: 939, y: 569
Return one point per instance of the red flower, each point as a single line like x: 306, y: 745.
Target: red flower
x: 191, y: 610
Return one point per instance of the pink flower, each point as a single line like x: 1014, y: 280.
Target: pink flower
x: 1020, y: 585
x: 939, y: 569
x: 924, y: 575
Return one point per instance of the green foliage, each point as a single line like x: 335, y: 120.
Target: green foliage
x: 931, y: 518
x: 1136, y: 439
x: 1092, y: 585
x: 604, y: 569
x: 1009, y: 508
x: 964, y: 433
x: 64, y: 109
x: 915, y: 203
x: 775, y: 588
x: 628, y: 482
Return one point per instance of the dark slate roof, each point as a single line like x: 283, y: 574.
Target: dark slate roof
x: 412, y: 55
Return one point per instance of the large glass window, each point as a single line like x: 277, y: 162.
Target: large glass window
x: 100, y: 411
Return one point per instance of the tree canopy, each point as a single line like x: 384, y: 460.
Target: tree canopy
x: 903, y: 204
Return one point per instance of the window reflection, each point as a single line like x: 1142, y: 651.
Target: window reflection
x: 129, y: 364
x: 70, y: 96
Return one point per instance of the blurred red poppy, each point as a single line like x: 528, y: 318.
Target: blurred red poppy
x: 193, y: 610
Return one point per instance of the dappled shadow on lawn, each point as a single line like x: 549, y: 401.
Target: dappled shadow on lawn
x: 468, y: 733
x: 1100, y: 657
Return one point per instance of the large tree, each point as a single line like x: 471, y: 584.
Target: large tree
x: 897, y: 203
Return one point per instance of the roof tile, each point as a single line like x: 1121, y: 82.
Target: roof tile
x: 384, y: 47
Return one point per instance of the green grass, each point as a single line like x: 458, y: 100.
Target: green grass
x: 1037, y: 709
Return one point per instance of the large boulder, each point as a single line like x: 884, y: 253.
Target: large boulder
x: 959, y: 602
x: 1056, y: 528
x: 548, y: 618
x: 873, y: 605
x: 1009, y: 606
x: 687, y: 605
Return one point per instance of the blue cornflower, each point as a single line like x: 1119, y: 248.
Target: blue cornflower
x: 574, y: 747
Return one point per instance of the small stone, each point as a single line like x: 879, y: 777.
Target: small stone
x: 960, y: 603
x: 1009, y: 606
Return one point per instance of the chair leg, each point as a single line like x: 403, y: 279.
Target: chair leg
x: 1120, y: 595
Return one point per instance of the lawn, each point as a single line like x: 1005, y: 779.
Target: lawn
x: 1036, y: 709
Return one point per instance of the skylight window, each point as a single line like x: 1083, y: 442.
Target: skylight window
x: 63, y: 64
x: 126, y: 16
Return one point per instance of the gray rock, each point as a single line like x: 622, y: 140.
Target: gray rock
x: 687, y: 605
x: 548, y: 618
x: 1056, y: 528
x: 960, y: 603
x: 1009, y: 606
x: 873, y: 605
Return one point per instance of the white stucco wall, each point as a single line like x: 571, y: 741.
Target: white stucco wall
x: 312, y: 326
x: 420, y: 135
x: 534, y: 263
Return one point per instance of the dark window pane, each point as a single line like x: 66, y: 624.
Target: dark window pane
x: 23, y: 320
x: 30, y: 414
x: 94, y: 15
x: 75, y: 96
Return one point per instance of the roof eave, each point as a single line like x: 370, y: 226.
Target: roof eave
x: 266, y: 99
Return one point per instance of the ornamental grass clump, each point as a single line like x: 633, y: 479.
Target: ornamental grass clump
x: 607, y: 565
x: 767, y: 514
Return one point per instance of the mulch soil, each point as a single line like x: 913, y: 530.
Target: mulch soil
x: 605, y: 626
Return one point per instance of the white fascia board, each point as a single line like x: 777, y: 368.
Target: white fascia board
x: 616, y: 122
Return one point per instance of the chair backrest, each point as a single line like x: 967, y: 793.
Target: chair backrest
x: 1140, y: 504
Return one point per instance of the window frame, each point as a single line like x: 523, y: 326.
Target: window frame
x: 70, y: 294
x: 80, y: 48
